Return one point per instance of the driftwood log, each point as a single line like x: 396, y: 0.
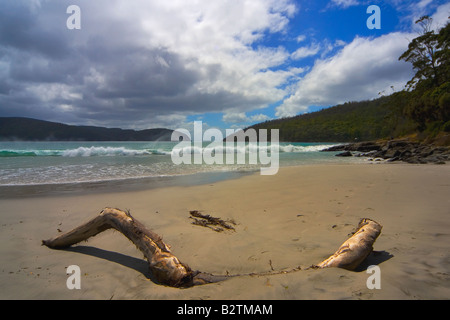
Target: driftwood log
x: 164, y: 266
x: 353, y: 251
x: 169, y: 270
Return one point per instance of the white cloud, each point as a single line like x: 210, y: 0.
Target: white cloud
x: 324, y: 48
x: 345, y: 3
x: 297, y: 70
x: 216, y: 35
x: 411, y: 11
x: 219, y: 33
x: 424, y: 3
x: 301, y: 38
x: 339, y: 43
x: 304, y: 52
x: 259, y: 117
x: 359, y: 71
x: 440, y: 17
x: 237, y: 117
x: 241, y: 117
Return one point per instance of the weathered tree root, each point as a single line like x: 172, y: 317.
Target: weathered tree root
x: 168, y: 270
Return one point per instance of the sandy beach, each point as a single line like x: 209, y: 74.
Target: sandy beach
x: 295, y: 218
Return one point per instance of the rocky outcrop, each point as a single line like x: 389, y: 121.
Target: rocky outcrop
x: 395, y: 150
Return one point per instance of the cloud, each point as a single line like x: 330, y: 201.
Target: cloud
x: 304, y: 52
x: 413, y: 10
x: 155, y: 63
x: 235, y: 117
x: 344, y: 3
x: 359, y: 71
x: 441, y: 16
x: 134, y: 62
x: 424, y: 3
x: 300, y: 38
x: 241, y: 117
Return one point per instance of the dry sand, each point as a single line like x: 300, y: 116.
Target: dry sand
x: 295, y: 218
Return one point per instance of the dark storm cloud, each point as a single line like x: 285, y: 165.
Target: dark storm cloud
x: 50, y: 72
x: 21, y: 29
x: 143, y: 73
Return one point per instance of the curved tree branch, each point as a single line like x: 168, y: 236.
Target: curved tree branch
x: 165, y: 267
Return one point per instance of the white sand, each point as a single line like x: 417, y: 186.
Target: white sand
x: 296, y: 218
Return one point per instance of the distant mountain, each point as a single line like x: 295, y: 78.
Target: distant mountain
x: 27, y: 129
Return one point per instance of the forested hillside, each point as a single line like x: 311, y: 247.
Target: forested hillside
x: 365, y: 120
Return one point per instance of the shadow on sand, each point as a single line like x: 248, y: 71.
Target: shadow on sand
x: 140, y: 265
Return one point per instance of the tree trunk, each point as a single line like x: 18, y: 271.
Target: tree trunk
x: 353, y: 251
x: 168, y: 270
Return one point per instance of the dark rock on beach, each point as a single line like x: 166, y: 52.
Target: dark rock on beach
x: 345, y: 154
x: 396, y: 150
x: 358, y: 146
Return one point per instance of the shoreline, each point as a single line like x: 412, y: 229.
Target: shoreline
x: 139, y: 184
x: 119, y: 185
x: 292, y: 219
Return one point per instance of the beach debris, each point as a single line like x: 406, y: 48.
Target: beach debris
x: 164, y: 266
x: 205, y: 220
x: 166, y: 269
x: 356, y: 249
x: 271, y: 266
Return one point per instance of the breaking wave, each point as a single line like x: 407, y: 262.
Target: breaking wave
x: 83, y: 152
x: 93, y: 151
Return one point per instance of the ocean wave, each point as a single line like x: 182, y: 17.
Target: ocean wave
x: 92, y: 151
x: 18, y: 153
x: 160, y: 152
x: 103, y: 151
x: 224, y: 149
x: 27, y: 153
x: 81, y: 152
x: 296, y: 148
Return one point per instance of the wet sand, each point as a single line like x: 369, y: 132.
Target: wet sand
x: 293, y: 219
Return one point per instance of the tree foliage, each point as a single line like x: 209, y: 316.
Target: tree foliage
x: 429, y: 54
x: 422, y: 53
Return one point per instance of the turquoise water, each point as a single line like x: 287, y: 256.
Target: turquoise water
x: 37, y: 163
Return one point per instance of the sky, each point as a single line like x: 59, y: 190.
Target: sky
x: 141, y: 64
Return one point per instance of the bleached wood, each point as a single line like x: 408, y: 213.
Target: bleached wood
x: 355, y: 249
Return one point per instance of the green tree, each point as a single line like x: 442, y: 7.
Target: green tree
x: 443, y: 53
x: 423, y: 54
x: 429, y: 54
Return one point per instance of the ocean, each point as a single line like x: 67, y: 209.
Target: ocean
x: 57, y: 163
